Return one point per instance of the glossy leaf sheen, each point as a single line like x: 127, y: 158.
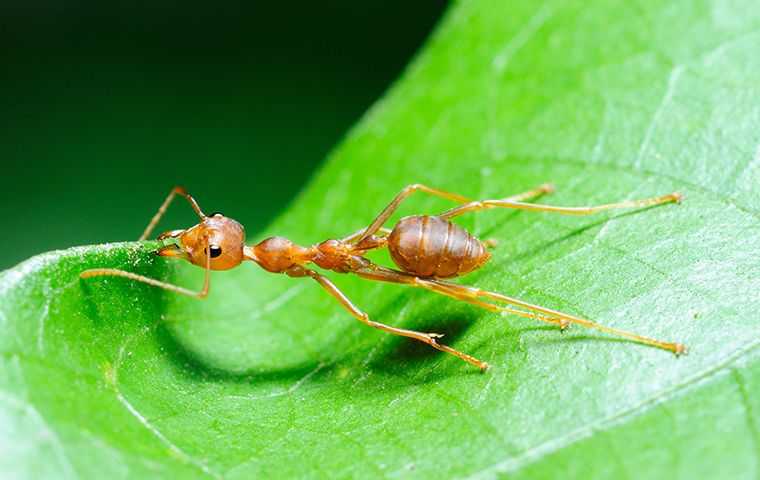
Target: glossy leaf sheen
x: 609, y: 100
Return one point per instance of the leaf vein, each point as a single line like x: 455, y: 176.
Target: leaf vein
x: 542, y: 449
x: 675, y: 75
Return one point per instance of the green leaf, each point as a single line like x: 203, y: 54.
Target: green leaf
x: 271, y: 378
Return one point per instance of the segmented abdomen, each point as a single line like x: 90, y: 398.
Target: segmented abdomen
x: 429, y: 246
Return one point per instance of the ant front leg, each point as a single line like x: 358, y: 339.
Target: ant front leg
x: 162, y: 209
x: 378, y: 222
x: 113, y: 272
x: 428, y: 338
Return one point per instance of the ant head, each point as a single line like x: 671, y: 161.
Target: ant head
x: 224, y: 237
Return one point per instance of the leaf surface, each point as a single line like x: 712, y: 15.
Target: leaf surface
x: 270, y: 377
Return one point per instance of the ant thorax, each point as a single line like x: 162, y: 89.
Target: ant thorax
x: 338, y: 256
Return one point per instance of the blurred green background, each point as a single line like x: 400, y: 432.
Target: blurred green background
x: 105, y: 108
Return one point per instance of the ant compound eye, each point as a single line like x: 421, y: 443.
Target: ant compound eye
x: 215, y: 251
x: 216, y: 214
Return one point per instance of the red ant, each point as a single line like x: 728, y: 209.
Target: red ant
x: 427, y: 249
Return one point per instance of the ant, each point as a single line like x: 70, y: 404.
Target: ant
x: 428, y: 249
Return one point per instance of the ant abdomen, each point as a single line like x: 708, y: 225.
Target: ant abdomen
x: 430, y: 246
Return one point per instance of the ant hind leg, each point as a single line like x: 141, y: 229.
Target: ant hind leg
x: 533, y: 193
x: 535, y: 207
x: 538, y: 312
x: 478, y: 297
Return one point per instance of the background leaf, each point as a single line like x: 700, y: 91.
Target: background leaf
x: 270, y: 377
x: 120, y: 101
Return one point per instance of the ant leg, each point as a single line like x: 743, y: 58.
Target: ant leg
x: 507, y: 203
x: 409, y: 189
x: 162, y: 209
x: 383, y: 232
x: 113, y: 272
x: 561, y: 323
x: 428, y: 338
x: 463, y: 291
x: 383, y: 274
x: 402, y: 195
x: 520, y: 197
x: 530, y: 194
x: 536, y: 192
x: 473, y: 295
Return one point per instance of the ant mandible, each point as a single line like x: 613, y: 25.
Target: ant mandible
x: 428, y: 249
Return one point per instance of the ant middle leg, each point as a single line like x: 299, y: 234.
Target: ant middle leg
x: 378, y: 222
x: 428, y: 338
x: 382, y: 232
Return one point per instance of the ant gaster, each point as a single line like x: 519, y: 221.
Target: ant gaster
x: 428, y: 250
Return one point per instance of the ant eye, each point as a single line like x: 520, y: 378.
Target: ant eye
x: 220, y: 214
x: 215, y: 251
